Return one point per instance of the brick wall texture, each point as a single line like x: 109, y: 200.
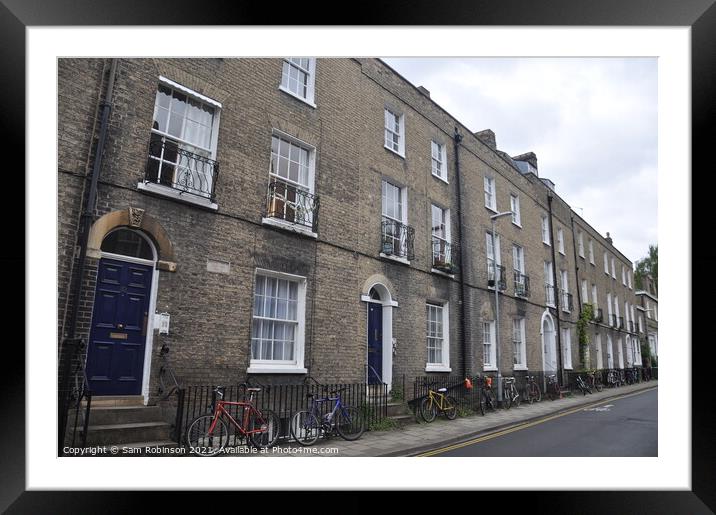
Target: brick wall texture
x: 211, y: 312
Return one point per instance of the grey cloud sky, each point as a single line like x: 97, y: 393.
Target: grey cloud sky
x: 592, y: 123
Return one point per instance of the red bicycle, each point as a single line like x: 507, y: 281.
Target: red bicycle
x: 207, y: 435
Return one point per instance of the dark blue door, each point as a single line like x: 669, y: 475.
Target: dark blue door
x: 115, y: 356
x: 375, y: 343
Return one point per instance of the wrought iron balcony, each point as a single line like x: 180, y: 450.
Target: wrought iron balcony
x: 522, y: 284
x: 443, y: 258
x: 397, y: 239
x: 292, y: 204
x: 567, y: 301
x: 631, y: 326
x: 613, y: 320
x: 549, y: 291
x: 598, y: 315
x: 174, y: 165
x: 502, y: 282
x: 621, y: 322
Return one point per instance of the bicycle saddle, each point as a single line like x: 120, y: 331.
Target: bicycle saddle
x: 253, y: 389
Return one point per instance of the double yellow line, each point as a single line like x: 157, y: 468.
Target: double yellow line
x: 525, y: 425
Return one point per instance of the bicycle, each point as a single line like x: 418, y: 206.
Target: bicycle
x: 207, y: 435
x: 307, y: 425
x: 510, y: 392
x: 438, y: 401
x: 594, y: 381
x: 553, y: 389
x: 583, y: 387
x: 488, y: 395
x: 612, y: 378
x: 532, y: 391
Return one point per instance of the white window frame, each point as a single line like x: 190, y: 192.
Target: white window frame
x: 401, y: 131
x: 515, y: 208
x: 490, y: 365
x: 560, y: 240
x: 614, y: 269
x: 598, y: 350
x: 545, y: 231
x: 648, y: 310
x: 595, y: 301
x: 591, y: 252
x: 311, y: 84
x: 490, y: 190
x: 564, y: 283
x: 609, y: 309
x: 448, y: 235
x: 567, y: 348
x: 629, y: 279
x: 444, y: 365
x: 624, y: 281
x: 173, y: 192
x: 616, y: 310
x: 585, y: 291
x: 496, y: 256
x: 580, y: 244
x: 549, y: 281
x: 296, y: 366
x: 610, y: 351
x: 522, y: 365
x: 606, y: 263
x: 442, y: 161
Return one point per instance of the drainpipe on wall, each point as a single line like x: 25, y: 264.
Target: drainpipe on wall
x: 577, y: 284
x: 88, y: 213
x: 466, y: 357
x: 560, y: 367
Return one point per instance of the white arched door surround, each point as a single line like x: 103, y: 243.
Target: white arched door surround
x: 377, y: 293
x: 549, y: 343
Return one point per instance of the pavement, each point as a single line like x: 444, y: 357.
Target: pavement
x: 416, y: 438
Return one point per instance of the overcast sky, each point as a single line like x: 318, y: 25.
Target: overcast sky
x: 591, y: 122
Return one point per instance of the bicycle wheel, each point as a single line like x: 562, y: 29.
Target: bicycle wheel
x: 450, y: 408
x: 268, y: 427
x: 428, y: 410
x: 507, y: 398
x: 598, y: 386
x: 481, y: 405
x: 305, y: 428
x: 202, y: 443
x: 536, y: 393
x: 517, y: 398
x: 490, y: 400
x: 350, y: 423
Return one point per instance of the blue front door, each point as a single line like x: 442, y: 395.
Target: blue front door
x: 115, y: 355
x: 375, y: 343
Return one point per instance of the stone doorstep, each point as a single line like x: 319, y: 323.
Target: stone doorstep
x: 115, y: 400
x: 118, y: 434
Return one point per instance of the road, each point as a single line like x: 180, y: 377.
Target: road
x: 618, y: 427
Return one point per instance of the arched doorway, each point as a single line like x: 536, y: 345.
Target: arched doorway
x: 379, y: 348
x: 119, y: 347
x: 549, y: 344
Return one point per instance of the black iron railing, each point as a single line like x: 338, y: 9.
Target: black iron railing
x: 549, y: 294
x: 169, y: 386
x: 613, y: 320
x: 567, y: 301
x: 397, y: 239
x: 285, y: 400
x: 443, y: 256
x: 631, y: 326
x: 172, y: 165
x: 292, y: 204
x: 620, y: 322
x: 74, y: 396
x: 501, y: 279
x: 522, y: 284
x: 455, y: 385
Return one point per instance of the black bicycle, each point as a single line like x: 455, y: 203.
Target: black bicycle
x: 583, y: 387
x: 488, y: 395
x: 532, y: 391
x: 553, y: 389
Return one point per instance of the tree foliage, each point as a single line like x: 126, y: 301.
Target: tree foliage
x: 648, y: 266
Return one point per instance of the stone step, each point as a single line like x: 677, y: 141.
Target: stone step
x: 397, y: 408
x: 404, y: 419
x: 107, y: 415
x: 116, y: 400
x: 116, y: 434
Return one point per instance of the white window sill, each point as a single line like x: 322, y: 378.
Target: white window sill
x: 439, y: 272
x: 546, y: 243
x: 520, y: 367
x: 443, y: 179
x: 550, y: 305
x: 437, y: 368
x: 395, y: 258
x: 172, y: 193
x: 493, y: 209
x: 262, y: 369
x: 394, y: 151
x: 288, y: 226
x: 583, y: 257
x: 566, y: 310
x: 591, y: 263
x: 562, y: 252
x: 516, y: 224
x: 294, y: 95
x: 489, y: 368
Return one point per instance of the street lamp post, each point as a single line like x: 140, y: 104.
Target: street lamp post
x: 493, y: 218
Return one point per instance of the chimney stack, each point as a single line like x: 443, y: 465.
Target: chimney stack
x: 488, y: 138
x: 424, y: 91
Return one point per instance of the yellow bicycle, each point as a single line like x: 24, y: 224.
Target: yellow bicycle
x: 436, y: 401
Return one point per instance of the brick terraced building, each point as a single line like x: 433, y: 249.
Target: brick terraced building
x: 283, y: 217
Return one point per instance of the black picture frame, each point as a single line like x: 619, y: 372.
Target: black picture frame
x: 699, y: 15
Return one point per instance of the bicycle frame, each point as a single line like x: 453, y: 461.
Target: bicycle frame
x: 249, y: 408
x: 438, y: 398
x: 336, y: 407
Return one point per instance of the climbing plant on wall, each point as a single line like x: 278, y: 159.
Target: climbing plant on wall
x: 582, y: 324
